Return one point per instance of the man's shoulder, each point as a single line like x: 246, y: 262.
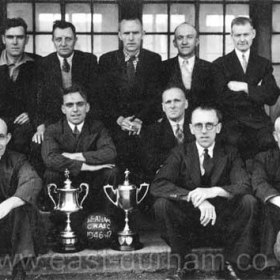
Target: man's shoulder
x: 170, y: 62
x: 85, y: 55
x: 14, y: 157
x: 110, y: 55
x: 55, y: 127
x: 224, y: 58
x: 202, y: 62
x: 268, y: 155
x: 149, y: 54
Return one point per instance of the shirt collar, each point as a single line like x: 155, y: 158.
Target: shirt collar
x: 201, y: 149
x: 174, y: 124
x: 190, y: 60
x: 240, y: 54
x: 79, y: 126
x: 69, y: 59
x: 127, y: 55
x: 4, y: 60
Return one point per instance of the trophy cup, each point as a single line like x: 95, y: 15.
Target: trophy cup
x: 127, y: 199
x: 68, y: 202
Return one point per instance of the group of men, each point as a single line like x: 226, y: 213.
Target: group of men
x: 58, y: 104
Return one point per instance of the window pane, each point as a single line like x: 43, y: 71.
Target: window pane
x: 233, y: 11
x: 29, y: 46
x: 275, y: 43
x: 105, y: 18
x: 155, y: 18
x: 21, y: 10
x: 229, y: 44
x: 83, y: 43
x: 104, y: 43
x: 180, y: 13
x: 211, y: 18
x: 80, y: 16
x: 156, y: 43
x: 275, y: 17
x: 46, y: 14
x: 44, y: 45
x: 210, y: 47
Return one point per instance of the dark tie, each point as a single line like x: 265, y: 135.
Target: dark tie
x: 65, y: 65
x: 131, y: 69
x: 76, y: 132
x: 179, y: 134
x: 207, y: 165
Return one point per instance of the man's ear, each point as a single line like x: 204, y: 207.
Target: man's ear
x: 87, y: 107
x: 9, y: 136
x: 219, y: 128
x: 3, y: 39
x: 191, y: 129
x: 186, y: 104
x: 63, y: 109
x: 275, y: 136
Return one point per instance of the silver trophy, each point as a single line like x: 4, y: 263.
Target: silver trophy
x: 127, y: 198
x: 68, y: 202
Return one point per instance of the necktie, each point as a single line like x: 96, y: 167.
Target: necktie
x: 207, y: 163
x: 179, y: 134
x: 76, y: 132
x: 186, y: 75
x: 65, y: 65
x: 130, y: 69
x: 244, y: 63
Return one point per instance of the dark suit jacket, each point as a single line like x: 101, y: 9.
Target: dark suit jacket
x: 141, y: 99
x: 246, y: 108
x: 94, y: 142
x: 201, y: 87
x: 157, y: 141
x: 180, y: 173
x: 84, y: 72
x: 266, y: 174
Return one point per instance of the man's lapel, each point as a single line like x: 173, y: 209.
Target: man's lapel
x: 56, y: 70
x: 68, y: 138
x: 192, y: 163
x: 220, y: 161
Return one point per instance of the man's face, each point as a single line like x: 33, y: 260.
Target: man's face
x: 64, y: 41
x: 205, y: 126
x: 174, y: 104
x: 131, y: 34
x: 243, y: 36
x: 185, y: 40
x: 4, y: 137
x: 75, y: 107
x: 15, y: 40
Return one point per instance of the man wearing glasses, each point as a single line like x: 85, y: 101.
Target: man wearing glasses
x: 203, y: 186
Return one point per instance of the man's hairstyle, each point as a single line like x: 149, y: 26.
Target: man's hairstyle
x: 209, y: 107
x: 76, y: 88
x: 14, y: 22
x: 170, y: 86
x: 62, y: 24
x: 130, y: 18
x: 187, y: 23
x: 241, y: 21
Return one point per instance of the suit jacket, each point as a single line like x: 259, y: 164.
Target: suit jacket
x: 119, y: 98
x: 180, y: 173
x: 94, y: 142
x: 157, y: 141
x: 266, y: 174
x: 245, y: 108
x: 201, y: 90
x: 84, y: 72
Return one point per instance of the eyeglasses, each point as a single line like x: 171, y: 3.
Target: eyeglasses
x: 208, y: 126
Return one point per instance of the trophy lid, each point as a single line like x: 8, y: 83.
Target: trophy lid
x: 67, y: 182
x: 126, y: 183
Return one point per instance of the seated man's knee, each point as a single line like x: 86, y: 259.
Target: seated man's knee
x: 249, y: 203
x: 162, y: 206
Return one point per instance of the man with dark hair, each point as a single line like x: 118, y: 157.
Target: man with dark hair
x: 81, y: 145
x: 186, y: 70
x: 19, y: 189
x: 60, y: 70
x: 130, y: 90
x: 203, y: 184
x: 17, y: 84
x: 244, y: 84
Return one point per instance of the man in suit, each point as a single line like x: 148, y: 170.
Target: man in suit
x: 244, y: 83
x: 173, y: 129
x: 20, y: 185
x: 204, y: 184
x: 17, y: 84
x: 265, y: 181
x: 81, y: 145
x: 130, y: 90
x: 60, y: 70
x: 186, y: 70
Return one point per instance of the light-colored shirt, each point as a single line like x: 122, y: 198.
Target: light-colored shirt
x: 240, y: 55
x: 201, y: 155
x: 69, y: 60
x: 190, y: 63
x: 79, y: 126
x: 127, y: 57
x: 174, y: 125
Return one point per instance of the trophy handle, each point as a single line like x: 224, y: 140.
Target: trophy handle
x: 85, y: 195
x: 113, y: 190
x: 50, y: 195
x: 139, y: 189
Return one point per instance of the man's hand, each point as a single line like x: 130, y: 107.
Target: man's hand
x: 75, y: 156
x: 275, y: 200
x: 87, y: 167
x: 38, y: 137
x: 199, y: 195
x: 9, y: 204
x: 238, y: 86
x: 136, y: 127
x: 21, y: 119
x: 207, y: 213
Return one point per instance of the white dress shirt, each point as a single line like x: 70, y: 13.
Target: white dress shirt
x: 174, y: 125
x: 79, y: 126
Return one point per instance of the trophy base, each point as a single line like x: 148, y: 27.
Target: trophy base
x: 127, y: 241
x: 68, y: 244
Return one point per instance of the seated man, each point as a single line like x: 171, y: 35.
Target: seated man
x: 266, y: 185
x: 203, y: 184
x: 81, y: 145
x: 19, y: 188
x: 159, y: 138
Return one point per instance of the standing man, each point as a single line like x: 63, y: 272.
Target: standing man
x: 17, y: 84
x: 186, y: 70
x: 130, y: 90
x: 19, y: 189
x: 60, y: 70
x: 204, y: 184
x: 244, y: 83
